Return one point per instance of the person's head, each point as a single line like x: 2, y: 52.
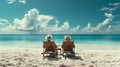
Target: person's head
x: 48, y: 37
x: 67, y: 38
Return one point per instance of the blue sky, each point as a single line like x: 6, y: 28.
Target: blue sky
x: 60, y: 16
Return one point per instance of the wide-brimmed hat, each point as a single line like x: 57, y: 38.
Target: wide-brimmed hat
x: 67, y: 37
x: 48, y: 37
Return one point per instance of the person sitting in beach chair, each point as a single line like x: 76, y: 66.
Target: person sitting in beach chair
x: 68, y: 46
x: 49, y: 47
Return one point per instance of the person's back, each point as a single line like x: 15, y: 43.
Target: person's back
x: 68, y: 45
x: 49, y: 45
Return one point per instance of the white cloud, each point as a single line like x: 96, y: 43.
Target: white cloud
x: 109, y: 15
x: 108, y: 9
x: 10, y: 1
x: 4, y: 20
x: 32, y: 21
x: 56, y: 28
x: 88, y: 28
x: 111, y: 9
x: 109, y: 18
x: 13, y: 1
x: 106, y: 21
x: 76, y: 29
x: 65, y: 26
x: 109, y: 28
x: 6, y: 26
x: 4, y: 23
x: 44, y: 20
x: 115, y: 27
x: 98, y: 27
x: 22, y: 1
x: 115, y: 4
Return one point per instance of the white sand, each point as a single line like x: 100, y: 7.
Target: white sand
x: 87, y: 56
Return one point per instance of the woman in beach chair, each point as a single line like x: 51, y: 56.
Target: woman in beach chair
x: 68, y: 46
x: 49, y: 47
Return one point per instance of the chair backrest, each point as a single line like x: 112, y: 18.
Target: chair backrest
x: 49, y: 46
x: 68, y: 45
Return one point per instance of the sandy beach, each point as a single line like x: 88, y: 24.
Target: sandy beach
x: 86, y: 56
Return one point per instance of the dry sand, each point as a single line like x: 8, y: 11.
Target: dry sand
x: 87, y: 56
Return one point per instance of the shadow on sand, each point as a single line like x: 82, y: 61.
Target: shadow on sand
x: 72, y: 57
x: 66, y: 57
x: 52, y: 58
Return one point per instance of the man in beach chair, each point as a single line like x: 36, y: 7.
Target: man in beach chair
x: 68, y: 46
x: 49, y: 47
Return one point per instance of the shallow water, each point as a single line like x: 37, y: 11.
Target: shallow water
x: 79, y: 39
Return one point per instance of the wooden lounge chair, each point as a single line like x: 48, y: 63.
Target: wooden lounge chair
x: 49, y: 48
x: 68, y: 48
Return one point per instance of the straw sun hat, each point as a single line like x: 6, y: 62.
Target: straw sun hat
x: 67, y: 37
x: 48, y: 37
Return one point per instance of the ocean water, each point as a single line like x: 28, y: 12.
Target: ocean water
x: 79, y: 39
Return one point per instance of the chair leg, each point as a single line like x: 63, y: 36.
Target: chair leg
x: 43, y: 55
x: 63, y: 54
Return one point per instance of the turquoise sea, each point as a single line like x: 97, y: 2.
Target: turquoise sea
x: 79, y: 39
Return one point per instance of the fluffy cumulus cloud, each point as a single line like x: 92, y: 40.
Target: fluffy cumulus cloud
x: 111, y: 9
x: 115, y: 27
x: 54, y: 27
x: 89, y: 28
x: 65, y: 26
x: 108, y: 9
x: 13, y: 1
x: 115, y: 4
x: 109, y: 28
x: 10, y: 1
x: 5, y: 26
x: 34, y: 22
x: 4, y: 23
x: 22, y: 1
x: 57, y: 28
x: 106, y: 22
x: 109, y: 15
x: 76, y: 29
